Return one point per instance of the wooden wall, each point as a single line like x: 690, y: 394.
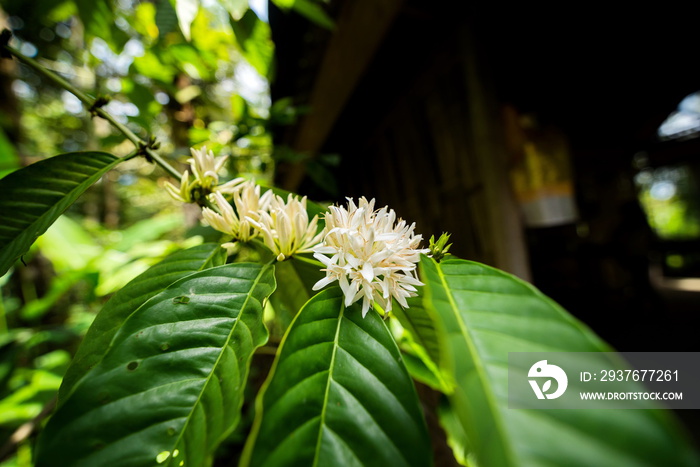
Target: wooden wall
x: 416, y: 124
x: 438, y: 157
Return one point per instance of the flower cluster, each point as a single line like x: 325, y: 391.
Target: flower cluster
x: 205, y: 169
x: 241, y: 224
x: 371, y: 254
x: 286, y: 229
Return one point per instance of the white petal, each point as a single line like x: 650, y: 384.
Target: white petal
x: 345, y: 286
x: 323, y: 282
x: 365, y: 307
x: 367, y: 272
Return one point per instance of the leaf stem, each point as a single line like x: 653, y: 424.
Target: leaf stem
x: 97, y: 110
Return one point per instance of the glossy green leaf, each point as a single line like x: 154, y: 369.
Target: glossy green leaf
x: 418, y: 370
x: 170, y: 386
x: 456, y: 437
x: 34, y: 197
x: 486, y: 313
x: 338, y: 394
x: 129, y: 299
x: 423, y: 342
x: 295, y: 279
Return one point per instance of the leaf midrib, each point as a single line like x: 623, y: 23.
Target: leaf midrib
x: 331, y: 367
x: 30, y: 230
x: 478, y: 366
x: 256, y: 281
x: 130, y: 303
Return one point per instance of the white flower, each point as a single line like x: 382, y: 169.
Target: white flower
x: 205, y: 169
x: 183, y: 194
x: 286, y: 229
x: 371, y: 255
x: 241, y: 223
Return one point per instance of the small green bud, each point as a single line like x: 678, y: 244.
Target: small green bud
x: 439, y: 249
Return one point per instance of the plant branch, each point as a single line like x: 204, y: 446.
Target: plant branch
x: 94, y: 106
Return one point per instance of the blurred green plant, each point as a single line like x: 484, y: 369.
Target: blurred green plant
x: 669, y: 196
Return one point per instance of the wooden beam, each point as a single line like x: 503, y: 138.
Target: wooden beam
x: 489, y: 148
x: 360, y: 29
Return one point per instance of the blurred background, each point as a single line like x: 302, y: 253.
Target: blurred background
x: 561, y: 146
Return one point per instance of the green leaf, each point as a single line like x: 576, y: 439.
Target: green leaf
x: 424, y: 343
x: 418, y: 370
x: 284, y: 4
x: 98, y: 18
x: 295, y: 278
x: 34, y: 197
x: 26, y: 402
x: 313, y: 12
x: 322, y: 177
x: 338, y: 394
x: 151, y: 66
x: 486, y: 313
x: 170, y: 386
x: 456, y: 437
x: 9, y: 161
x: 254, y: 38
x: 165, y: 17
x: 130, y: 298
x: 147, y: 230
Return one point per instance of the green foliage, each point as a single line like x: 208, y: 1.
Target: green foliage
x: 172, y: 378
x: 338, y: 395
x: 130, y: 298
x: 421, y: 341
x: 439, y: 248
x: 295, y: 278
x: 486, y: 313
x: 309, y: 9
x: 9, y: 161
x: 98, y: 18
x: 163, y: 371
x: 35, y: 196
x: 253, y: 37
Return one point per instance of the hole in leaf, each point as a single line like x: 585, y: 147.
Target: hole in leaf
x: 131, y: 366
x: 162, y: 457
x: 182, y: 300
x: 176, y: 453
